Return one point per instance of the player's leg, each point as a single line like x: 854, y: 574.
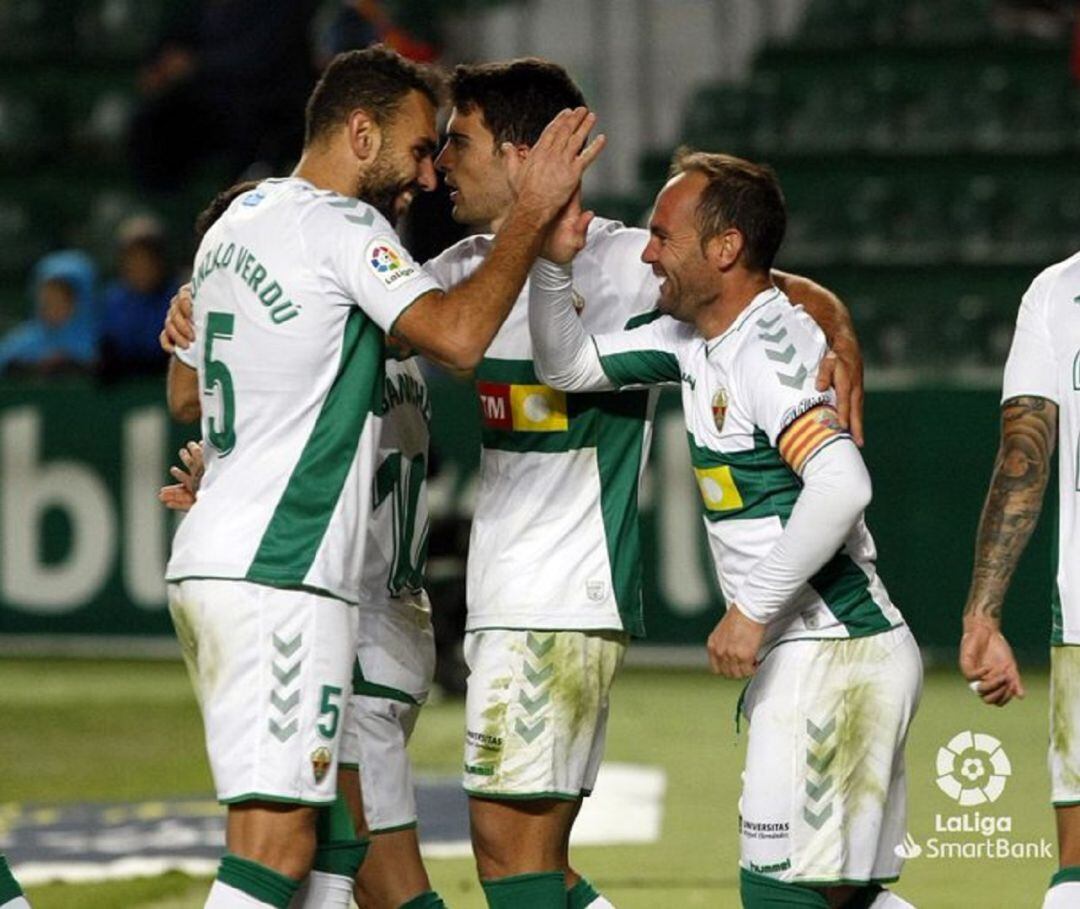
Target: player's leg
x: 271, y: 668
x: 11, y: 895
x: 391, y: 680
x: 536, y: 709
x: 823, y: 795
x: 1064, y: 759
x: 340, y: 850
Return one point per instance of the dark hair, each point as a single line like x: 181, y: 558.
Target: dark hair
x: 375, y: 79
x: 516, y: 99
x: 739, y: 194
x: 218, y: 205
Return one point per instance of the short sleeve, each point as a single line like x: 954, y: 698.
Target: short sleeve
x: 1031, y: 368
x: 187, y: 356
x: 776, y: 370
x: 373, y: 265
x: 642, y: 355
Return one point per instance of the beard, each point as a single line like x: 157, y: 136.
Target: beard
x: 382, y: 185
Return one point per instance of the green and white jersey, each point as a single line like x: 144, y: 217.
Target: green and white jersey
x: 293, y: 291
x: 1044, y: 362
x: 398, y: 530
x: 740, y: 391
x: 555, y: 541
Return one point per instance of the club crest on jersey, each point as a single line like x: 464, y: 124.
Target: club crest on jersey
x: 388, y: 264
x: 719, y: 409
x: 320, y: 763
x: 578, y: 301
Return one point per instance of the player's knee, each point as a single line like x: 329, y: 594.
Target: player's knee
x: 281, y: 838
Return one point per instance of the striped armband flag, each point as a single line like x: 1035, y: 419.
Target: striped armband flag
x: 808, y: 434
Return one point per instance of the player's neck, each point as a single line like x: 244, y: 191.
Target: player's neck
x: 323, y: 171
x: 735, y: 294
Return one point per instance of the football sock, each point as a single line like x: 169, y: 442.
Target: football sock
x: 543, y: 890
x: 761, y: 892
x: 338, y: 856
x: 584, y: 895
x: 1064, y: 891
x: 242, y: 884
x: 11, y: 895
x: 428, y: 900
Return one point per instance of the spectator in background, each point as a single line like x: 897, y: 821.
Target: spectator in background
x: 136, y: 302
x: 61, y: 336
x: 228, y: 79
x: 413, y: 28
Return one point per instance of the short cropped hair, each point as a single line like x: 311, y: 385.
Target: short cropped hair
x: 517, y: 99
x: 739, y: 194
x: 218, y: 206
x: 375, y: 79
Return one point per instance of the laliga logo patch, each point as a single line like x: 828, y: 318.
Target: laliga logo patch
x: 320, y: 763
x: 388, y: 264
x: 719, y: 409
x: 973, y: 768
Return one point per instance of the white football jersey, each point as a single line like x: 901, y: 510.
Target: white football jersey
x: 1044, y: 362
x: 555, y: 541
x: 398, y: 529
x: 293, y: 290
x: 740, y: 391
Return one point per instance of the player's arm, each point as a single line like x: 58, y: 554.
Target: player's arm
x: 182, y: 392
x: 1009, y: 515
x: 843, y: 368
x: 836, y: 491
x: 456, y: 327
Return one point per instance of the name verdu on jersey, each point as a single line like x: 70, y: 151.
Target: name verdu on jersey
x: 247, y: 267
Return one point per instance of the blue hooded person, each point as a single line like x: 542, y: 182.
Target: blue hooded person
x: 62, y: 335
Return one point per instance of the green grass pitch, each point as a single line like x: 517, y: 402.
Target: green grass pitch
x: 84, y: 731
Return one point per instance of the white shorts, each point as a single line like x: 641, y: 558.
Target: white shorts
x: 272, y: 670
x: 824, y: 794
x: 1065, y: 725
x: 536, y: 710
x: 392, y: 674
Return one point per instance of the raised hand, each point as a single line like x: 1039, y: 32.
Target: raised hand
x: 546, y: 178
x: 566, y: 236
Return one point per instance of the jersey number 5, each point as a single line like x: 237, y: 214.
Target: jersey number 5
x: 222, y: 430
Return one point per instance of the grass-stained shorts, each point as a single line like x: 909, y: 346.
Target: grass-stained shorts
x: 824, y: 792
x: 1064, y: 754
x: 536, y: 711
x: 395, y: 662
x: 272, y: 670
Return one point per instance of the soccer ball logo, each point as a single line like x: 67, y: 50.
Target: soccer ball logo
x: 384, y: 259
x: 972, y: 768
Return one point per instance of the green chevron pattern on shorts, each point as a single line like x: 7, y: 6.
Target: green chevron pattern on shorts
x: 283, y: 723
x: 820, y: 754
x: 535, y: 695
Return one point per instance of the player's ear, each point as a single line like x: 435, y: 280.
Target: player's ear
x: 364, y: 135
x: 724, y: 250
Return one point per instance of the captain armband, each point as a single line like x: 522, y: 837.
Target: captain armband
x: 808, y: 434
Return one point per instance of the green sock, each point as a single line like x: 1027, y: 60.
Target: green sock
x: 1065, y: 875
x: 337, y: 850
x: 543, y: 890
x: 9, y: 887
x: 429, y: 900
x: 761, y: 892
x: 581, y: 894
x: 257, y: 880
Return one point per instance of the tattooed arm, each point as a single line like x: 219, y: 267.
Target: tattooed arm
x: 1021, y: 471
